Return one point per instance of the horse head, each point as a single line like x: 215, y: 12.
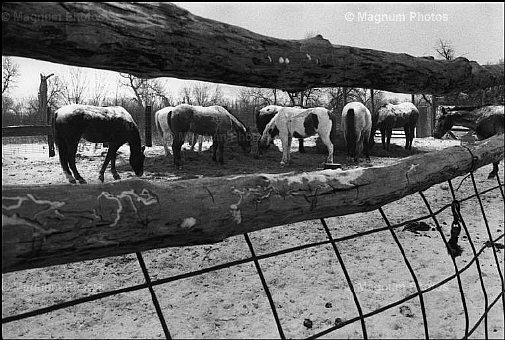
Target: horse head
x: 268, y: 135
x: 244, y: 139
x: 444, y: 124
x: 137, y: 161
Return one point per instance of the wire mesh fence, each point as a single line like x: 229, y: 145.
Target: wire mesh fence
x: 259, y: 260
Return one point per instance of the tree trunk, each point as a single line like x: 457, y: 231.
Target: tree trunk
x: 162, y: 40
x: 51, y: 224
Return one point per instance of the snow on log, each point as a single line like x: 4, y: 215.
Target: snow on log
x: 55, y: 224
x: 163, y: 40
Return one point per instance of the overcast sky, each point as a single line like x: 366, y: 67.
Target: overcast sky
x: 475, y: 30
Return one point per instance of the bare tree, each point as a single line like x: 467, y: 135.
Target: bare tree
x: 146, y: 91
x: 74, y: 86
x: 307, y: 98
x: 217, y: 97
x: 10, y: 71
x: 201, y: 94
x: 445, y: 49
x: 98, y: 91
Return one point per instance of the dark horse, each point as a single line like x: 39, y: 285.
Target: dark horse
x: 213, y: 121
x: 264, y: 116
x: 113, y: 125
x: 390, y: 117
x: 486, y: 121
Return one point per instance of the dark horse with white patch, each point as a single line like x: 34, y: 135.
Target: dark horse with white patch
x: 112, y: 125
x: 264, y: 116
x: 390, y: 117
x: 486, y: 121
x: 357, y: 127
x: 213, y: 121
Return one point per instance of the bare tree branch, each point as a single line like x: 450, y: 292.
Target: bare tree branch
x: 10, y: 71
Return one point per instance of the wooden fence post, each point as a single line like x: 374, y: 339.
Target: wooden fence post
x: 148, y: 127
x: 50, y: 137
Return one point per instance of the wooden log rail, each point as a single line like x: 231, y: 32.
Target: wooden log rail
x: 163, y: 40
x: 55, y: 224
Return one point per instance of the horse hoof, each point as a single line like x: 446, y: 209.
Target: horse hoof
x: 82, y: 181
x: 100, y: 178
x: 72, y: 181
x: 117, y: 178
x: 283, y: 164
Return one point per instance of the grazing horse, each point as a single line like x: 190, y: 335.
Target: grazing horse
x: 292, y: 122
x: 356, y: 126
x: 264, y: 116
x: 486, y: 121
x: 390, y: 117
x: 161, y: 118
x: 213, y: 121
x: 112, y: 124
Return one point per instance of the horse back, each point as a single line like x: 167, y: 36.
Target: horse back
x: 490, y: 125
x: 395, y: 116
x: 95, y: 124
x: 206, y: 121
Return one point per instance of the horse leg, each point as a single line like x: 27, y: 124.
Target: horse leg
x: 329, y: 145
x: 366, y: 147
x: 357, y: 147
x: 165, y: 143
x: 176, y: 148
x: 388, y: 140
x: 221, y: 151
x: 406, y: 128
x: 285, y: 150
x: 301, y: 149
x: 194, y: 139
x: 71, y: 161
x: 113, y: 165
x: 110, y: 154
x: 493, y: 173
x: 200, y: 142
x: 63, y: 155
x: 214, y: 148
x: 383, y: 138
x: 290, y: 140
x: 412, y: 132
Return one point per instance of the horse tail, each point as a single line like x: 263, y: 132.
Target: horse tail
x: 60, y: 142
x: 351, y: 128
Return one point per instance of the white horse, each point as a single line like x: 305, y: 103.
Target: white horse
x: 161, y: 118
x: 299, y: 123
x: 357, y: 126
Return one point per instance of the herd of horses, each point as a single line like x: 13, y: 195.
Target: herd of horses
x: 115, y: 126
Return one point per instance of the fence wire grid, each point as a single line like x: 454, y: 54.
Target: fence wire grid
x: 453, y: 251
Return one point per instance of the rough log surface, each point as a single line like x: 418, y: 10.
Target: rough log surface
x: 55, y: 224
x: 160, y: 39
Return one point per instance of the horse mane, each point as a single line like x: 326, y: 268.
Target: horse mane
x: 237, y: 123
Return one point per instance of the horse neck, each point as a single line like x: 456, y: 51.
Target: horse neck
x: 464, y: 118
x: 134, y: 141
x: 237, y: 124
